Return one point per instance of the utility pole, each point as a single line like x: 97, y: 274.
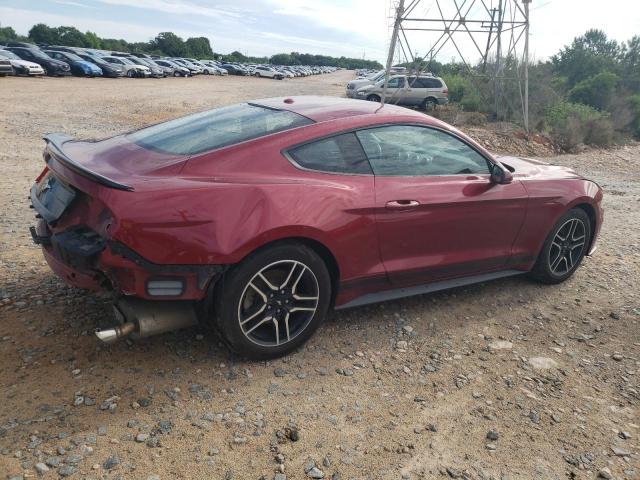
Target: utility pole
x: 392, y: 47
x: 525, y: 100
x: 486, y: 52
x: 496, y: 78
x: 493, y: 29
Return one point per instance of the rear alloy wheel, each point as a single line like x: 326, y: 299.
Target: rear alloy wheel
x: 564, y: 248
x: 273, y: 301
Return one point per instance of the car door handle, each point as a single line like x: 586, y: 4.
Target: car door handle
x: 402, y: 204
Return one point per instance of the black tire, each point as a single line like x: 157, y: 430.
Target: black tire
x: 242, y: 290
x: 429, y: 104
x: 374, y: 98
x: 131, y: 73
x: 563, y: 249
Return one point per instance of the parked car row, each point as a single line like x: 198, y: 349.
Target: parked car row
x: 424, y: 90
x: 20, y: 58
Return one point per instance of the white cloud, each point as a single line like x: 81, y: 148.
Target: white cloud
x: 23, y: 20
x: 332, y: 27
x: 303, y: 44
x: 177, y: 7
x: 365, y: 20
x: 72, y: 4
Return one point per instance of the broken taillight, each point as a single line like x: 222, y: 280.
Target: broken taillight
x: 42, y: 174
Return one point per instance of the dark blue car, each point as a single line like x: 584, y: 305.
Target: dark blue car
x: 78, y: 65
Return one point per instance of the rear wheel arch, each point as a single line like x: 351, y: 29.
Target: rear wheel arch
x: 224, y: 306
x: 318, y: 247
x: 429, y: 100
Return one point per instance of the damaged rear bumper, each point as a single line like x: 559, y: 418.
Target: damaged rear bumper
x: 85, y: 260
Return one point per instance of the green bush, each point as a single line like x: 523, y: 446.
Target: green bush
x: 572, y: 124
x: 457, y: 86
x: 471, y: 101
x: 596, y: 91
x: 464, y: 92
x: 635, y: 107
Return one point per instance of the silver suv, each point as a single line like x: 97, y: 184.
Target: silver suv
x: 354, y: 85
x: 425, y: 91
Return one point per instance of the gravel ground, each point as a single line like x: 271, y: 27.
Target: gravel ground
x: 505, y: 380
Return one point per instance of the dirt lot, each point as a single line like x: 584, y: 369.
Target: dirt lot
x: 507, y: 380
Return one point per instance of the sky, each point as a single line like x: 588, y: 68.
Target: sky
x: 353, y: 28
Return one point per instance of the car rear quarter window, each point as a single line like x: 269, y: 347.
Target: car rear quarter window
x: 337, y: 154
x: 216, y: 128
x: 423, y: 82
x: 397, y: 82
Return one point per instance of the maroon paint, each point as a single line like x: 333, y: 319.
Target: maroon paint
x: 217, y: 207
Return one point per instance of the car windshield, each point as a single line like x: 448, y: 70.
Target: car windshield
x: 8, y: 54
x: 96, y: 60
x: 38, y: 54
x: 72, y: 56
x: 127, y: 61
x: 216, y: 128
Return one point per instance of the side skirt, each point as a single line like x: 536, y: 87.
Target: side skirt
x: 428, y: 288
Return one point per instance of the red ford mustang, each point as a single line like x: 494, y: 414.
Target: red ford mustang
x: 257, y: 218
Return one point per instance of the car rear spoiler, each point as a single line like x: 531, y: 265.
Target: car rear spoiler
x: 54, y: 147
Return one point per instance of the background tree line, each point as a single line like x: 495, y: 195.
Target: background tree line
x: 171, y: 45
x: 588, y: 93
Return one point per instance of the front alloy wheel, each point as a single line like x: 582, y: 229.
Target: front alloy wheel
x: 273, y: 301
x: 567, y: 246
x: 564, y: 247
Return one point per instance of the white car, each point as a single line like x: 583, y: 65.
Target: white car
x: 131, y: 69
x: 287, y: 73
x: 213, y: 68
x: 268, y: 72
x: 20, y: 66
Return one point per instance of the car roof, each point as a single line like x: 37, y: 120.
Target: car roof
x: 320, y: 108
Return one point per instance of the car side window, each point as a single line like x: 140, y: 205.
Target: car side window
x: 408, y: 150
x: 337, y: 154
x: 397, y: 82
x: 428, y: 83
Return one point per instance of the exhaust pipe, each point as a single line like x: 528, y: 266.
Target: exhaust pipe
x: 143, y: 318
x: 110, y: 335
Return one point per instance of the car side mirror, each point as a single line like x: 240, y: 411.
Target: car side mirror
x: 500, y: 175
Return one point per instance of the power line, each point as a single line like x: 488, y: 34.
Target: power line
x: 493, y: 29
